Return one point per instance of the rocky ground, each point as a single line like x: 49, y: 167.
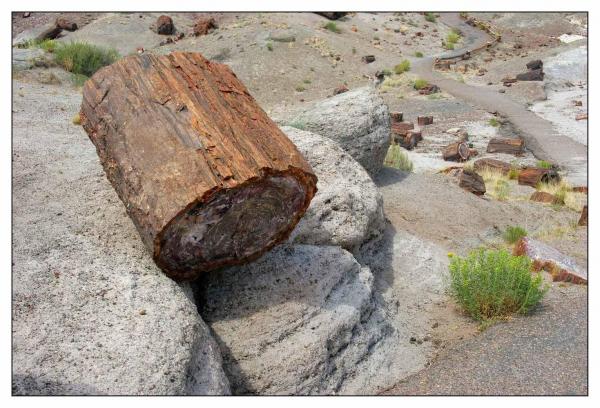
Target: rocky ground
x: 356, y: 300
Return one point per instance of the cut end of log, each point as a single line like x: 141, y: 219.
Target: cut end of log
x: 233, y: 226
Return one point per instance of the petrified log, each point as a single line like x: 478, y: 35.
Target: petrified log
x: 458, y: 151
x: 204, y: 25
x: 509, y: 146
x: 583, y: 220
x: 207, y: 178
x: 410, y: 140
x: 402, y: 128
x: 535, y: 64
x: 532, y: 176
x: 533, y: 75
x: 367, y: 59
x: 66, y: 24
x: 49, y: 34
x: 397, y: 117
x: 471, y: 181
x: 164, y: 25
x: 424, y: 120
x: 543, y: 197
x: 492, y: 164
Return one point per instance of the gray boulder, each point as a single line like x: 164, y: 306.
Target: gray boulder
x: 358, y: 120
x: 24, y: 58
x: 290, y: 322
x: 92, y: 314
x: 348, y: 208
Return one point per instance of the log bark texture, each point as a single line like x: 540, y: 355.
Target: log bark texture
x: 492, y: 164
x: 509, y: 146
x: 208, y: 179
x: 473, y: 182
x: 458, y: 151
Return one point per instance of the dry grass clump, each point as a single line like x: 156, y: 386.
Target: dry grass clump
x: 564, y: 194
x: 496, y: 183
x: 397, y: 159
x: 403, y: 67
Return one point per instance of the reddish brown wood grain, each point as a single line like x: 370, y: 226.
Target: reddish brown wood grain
x: 208, y: 179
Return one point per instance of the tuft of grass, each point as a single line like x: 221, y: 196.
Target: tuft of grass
x: 270, y: 46
x: 76, y: 120
x: 420, y: 84
x: 403, y: 67
x: 565, y: 196
x: 353, y: 50
x: 83, y: 59
x: 449, y: 46
x: 387, y: 72
x: 331, y: 26
x: 543, y: 164
x: 397, y: 159
x: 376, y: 38
x: 512, y: 234
x: 513, y: 173
x: 306, y: 81
x: 494, y: 122
x: 491, y: 285
x: 419, y: 54
x: 78, y: 79
x: 47, y: 45
x: 300, y: 88
x: 430, y: 17
x: 452, y: 38
x: 496, y: 183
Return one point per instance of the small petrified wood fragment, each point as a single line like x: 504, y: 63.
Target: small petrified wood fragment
x: 583, y: 220
x: 532, y: 176
x: 509, y: 146
x: 458, y: 151
x: 207, y: 178
x: 424, y: 120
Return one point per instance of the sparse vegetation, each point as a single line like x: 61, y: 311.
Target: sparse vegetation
x: 420, y: 84
x: 331, y: 26
x: 300, y: 88
x: 270, y: 46
x: 387, y: 72
x: 494, y: 122
x: 513, y: 234
x: 306, y: 81
x: 419, y: 54
x: 564, y: 194
x: 491, y: 285
x: 403, y: 67
x: 76, y: 120
x: 496, y: 183
x: 543, y: 164
x: 397, y: 159
x: 449, y: 46
x: 376, y: 38
x: 451, y: 39
x: 430, y: 17
x: 83, y: 59
x: 353, y: 50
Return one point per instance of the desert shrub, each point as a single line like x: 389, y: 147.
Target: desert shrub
x: 513, y: 234
x: 494, y: 122
x: 306, y: 81
x: 82, y: 58
x: 402, y: 67
x: 452, y: 37
x: 300, y: 88
x: 494, y: 284
x: 419, y: 54
x: 397, y: 159
x: 331, y: 26
x: 270, y: 46
x: 543, y: 164
x: 387, y: 72
x: 430, y: 17
x: 420, y: 84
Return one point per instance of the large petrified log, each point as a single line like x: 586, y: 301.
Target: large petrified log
x: 532, y: 176
x: 503, y: 145
x: 458, y: 151
x: 208, y: 179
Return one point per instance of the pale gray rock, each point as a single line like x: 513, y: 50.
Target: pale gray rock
x: 358, y: 120
x: 348, y: 208
x: 92, y: 314
x: 24, y: 58
x: 290, y: 323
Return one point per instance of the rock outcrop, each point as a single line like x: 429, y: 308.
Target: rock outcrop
x: 358, y: 120
x: 347, y: 209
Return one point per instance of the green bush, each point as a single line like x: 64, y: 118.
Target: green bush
x: 452, y: 37
x: 420, y: 84
x: 513, y: 234
x: 397, y: 159
x: 270, y: 46
x: 82, y: 58
x: 494, y: 122
x: 449, y: 46
x: 402, y: 67
x: 430, y: 17
x: 494, y: 284
x: 300, y: 88
x: 331, y: 26
x: 419, y: 54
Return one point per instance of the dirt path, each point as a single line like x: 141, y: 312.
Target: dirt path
x: 539, y: 134
x: 541, y: 354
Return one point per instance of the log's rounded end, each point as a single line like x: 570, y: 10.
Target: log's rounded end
x: 233, y: 226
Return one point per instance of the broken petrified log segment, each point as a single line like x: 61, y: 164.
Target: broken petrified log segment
x: 492, y: 164
x: 535, y: 64
x: 583, y: 220
x: 471, y: 181
x: 50, y: 33
x: 410, y: 140
x: 397, y: 117
x: 458, y: 151
x: 203, y: 26
x: 207, y: 178
x: 533, y: 75
x: 561, y: 267
x: 509, y: 146
x: 424, y: 120
x: 532, y: 176
x: 367, y: 59
x: 66, y: 24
